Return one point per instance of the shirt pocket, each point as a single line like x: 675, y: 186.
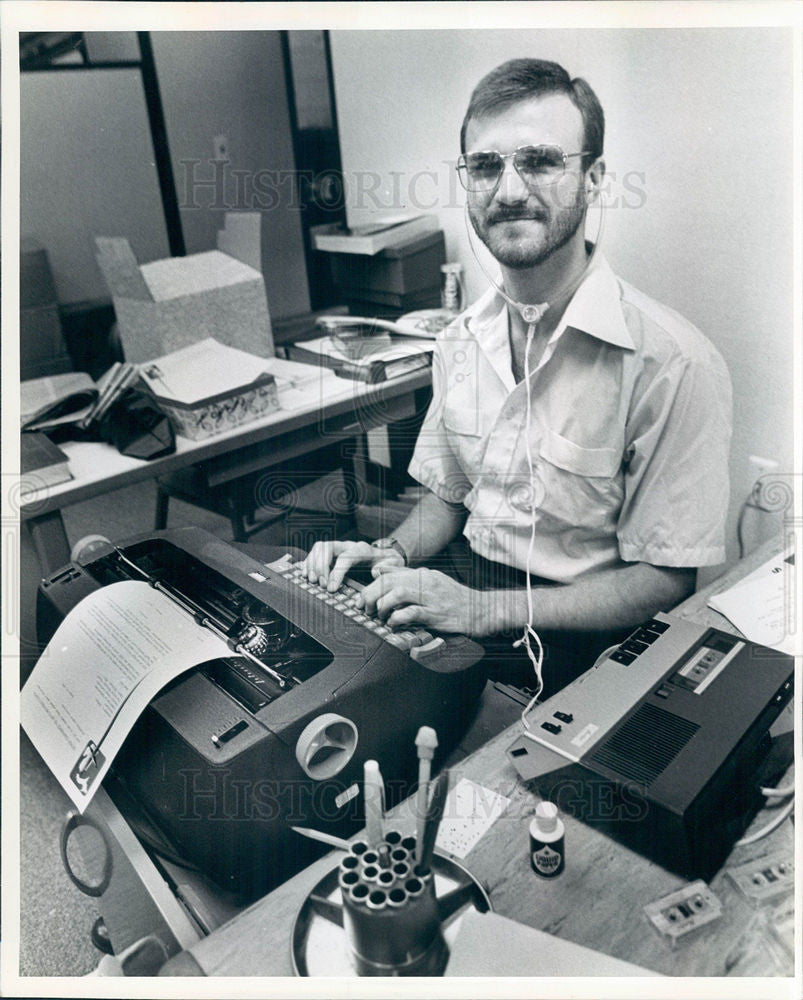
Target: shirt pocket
x: 581, y: 486
x: 467, y: 432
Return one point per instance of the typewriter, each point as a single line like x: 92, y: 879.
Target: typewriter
x: 231, y: 754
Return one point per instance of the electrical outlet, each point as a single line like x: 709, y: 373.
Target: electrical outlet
x: 684, y: 911
x: 220, y: 146
x: 761, y: 467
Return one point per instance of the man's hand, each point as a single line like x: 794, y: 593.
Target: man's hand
x: 426, y: 597
x: 329, y: 562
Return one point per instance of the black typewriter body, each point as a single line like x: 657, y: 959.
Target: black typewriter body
x: 235, y: 751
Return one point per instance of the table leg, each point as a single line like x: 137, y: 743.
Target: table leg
x: 350, y: 483
x: 50, y: 541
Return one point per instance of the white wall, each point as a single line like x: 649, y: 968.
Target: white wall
x: 87, y: 170
x: 231, y: 83
x: 698, y: 140
x: 87, y: 161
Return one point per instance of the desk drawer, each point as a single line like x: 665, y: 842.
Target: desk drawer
x: 292, y: 444
x: 369, y: 414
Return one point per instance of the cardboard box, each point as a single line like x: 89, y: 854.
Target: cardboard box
x: 42, y: 347
x: 168, y: 304
x: 397, y: 276
x: 207, y: 387
x: 36, y: 279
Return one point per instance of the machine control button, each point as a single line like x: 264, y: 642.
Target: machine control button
x: 564, y: 717
x: 634, y: 646
x: 645, y: 635
x: 655, y: 626
x: 621, y: 656
x: 551, y: 727
x: 222, y: 738
x: 663, y: 691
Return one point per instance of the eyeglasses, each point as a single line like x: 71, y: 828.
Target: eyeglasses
x: 536, y: 165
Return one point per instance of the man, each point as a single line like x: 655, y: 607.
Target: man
x: 583, y: 442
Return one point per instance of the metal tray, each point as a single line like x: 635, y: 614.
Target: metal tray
x: 318, y: 944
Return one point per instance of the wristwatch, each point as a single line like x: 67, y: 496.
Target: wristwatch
x: 391, y: 543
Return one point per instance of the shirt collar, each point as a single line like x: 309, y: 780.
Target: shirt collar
x: 595, y: 309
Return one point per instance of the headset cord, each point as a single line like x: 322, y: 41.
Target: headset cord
x: 532, y: 315
x: 530, y: 635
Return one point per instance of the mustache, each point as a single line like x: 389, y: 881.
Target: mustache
x: 515, y: 215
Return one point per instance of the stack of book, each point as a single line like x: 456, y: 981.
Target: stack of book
x: 364, y: 349
x: 42, y: 463
x: 72, y: 399
x: 386, y: 231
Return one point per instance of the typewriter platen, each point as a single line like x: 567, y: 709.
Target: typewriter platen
x: 235, y: 751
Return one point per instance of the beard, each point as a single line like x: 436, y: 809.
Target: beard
x: 525, y: 236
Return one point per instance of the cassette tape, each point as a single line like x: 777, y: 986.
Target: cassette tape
x: 684, y: 911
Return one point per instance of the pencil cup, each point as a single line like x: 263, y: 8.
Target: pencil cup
x: 391, y: 917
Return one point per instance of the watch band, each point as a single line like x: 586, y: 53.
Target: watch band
x: 391, y: 543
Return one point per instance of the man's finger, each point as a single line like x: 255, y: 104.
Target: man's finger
x: 318, y: 559
x: 345, y: 560
x: 387, y: 602
x: 408, y: 614
x: 382, y: 585
x: 385, y: 566
x: 334, y: 549
x: 405, y: 592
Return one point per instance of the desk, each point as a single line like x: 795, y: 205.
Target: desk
x: 597, y: 902
x: 343, y: 408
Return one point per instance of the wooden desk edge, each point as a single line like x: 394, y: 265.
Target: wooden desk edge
x: 75, y: 491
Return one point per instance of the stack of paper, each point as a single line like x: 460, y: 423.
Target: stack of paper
x: 209, y: 387
x: 762, y: 606
x: 385, y: 231
x: 389, y: 360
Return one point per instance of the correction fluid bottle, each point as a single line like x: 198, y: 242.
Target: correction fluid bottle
x: 546, y: 841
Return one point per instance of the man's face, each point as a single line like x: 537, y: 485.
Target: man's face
x: 520, y: 225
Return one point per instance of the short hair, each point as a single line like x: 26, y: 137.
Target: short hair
x: 519, y: 79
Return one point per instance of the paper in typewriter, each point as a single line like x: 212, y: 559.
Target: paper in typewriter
x: 110, y: 656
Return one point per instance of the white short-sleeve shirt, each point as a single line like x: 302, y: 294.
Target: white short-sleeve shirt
x: 628, y: 435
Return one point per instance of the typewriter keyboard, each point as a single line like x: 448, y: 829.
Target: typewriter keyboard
x: 343, y: 600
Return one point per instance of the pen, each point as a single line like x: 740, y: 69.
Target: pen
x: 437, y: 803
x: 324, y: 838
x: 426, y: 741
x: 374, y: 792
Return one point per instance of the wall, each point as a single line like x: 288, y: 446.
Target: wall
x: 231, y: 83
x: 699, y: 154
x: 86, y: 170
x: 87, y: 162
